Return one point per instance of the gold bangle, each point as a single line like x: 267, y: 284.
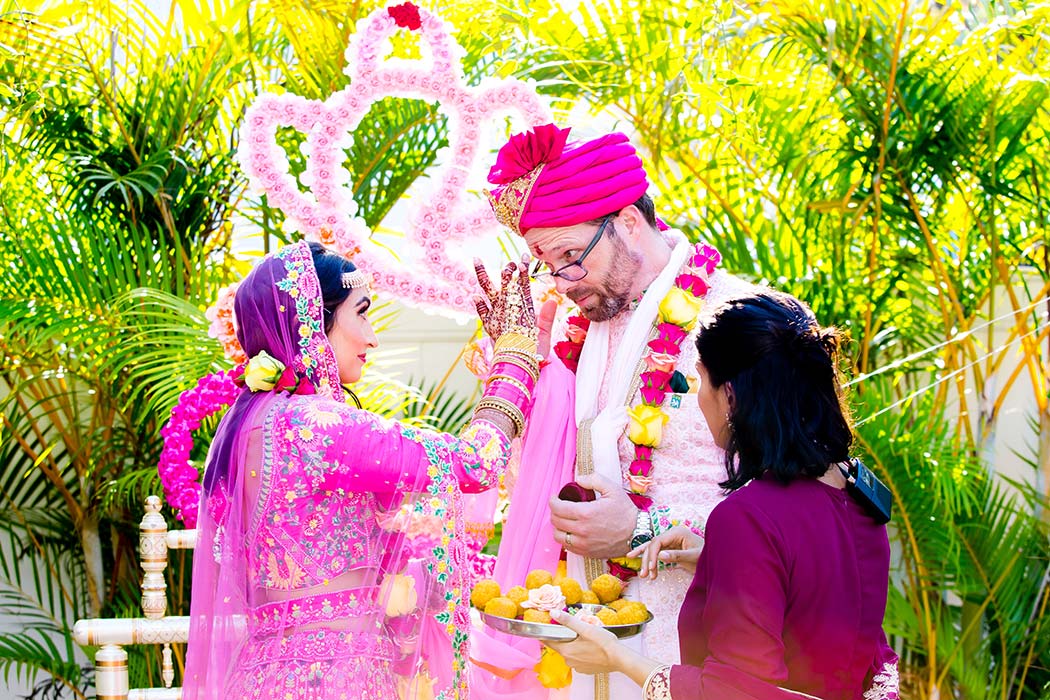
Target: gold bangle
x: 516, y: 426
x: 506, y: 408
x: 530, y: 357
x: 512, y: 381
x: 503, y: 406
x: 511, y: 341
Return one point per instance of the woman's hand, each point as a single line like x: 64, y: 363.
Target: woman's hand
x: 679, y: 545
x: 595, y: 649
x: 509, y: 308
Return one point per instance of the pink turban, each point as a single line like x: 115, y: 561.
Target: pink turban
x: 542, y: 182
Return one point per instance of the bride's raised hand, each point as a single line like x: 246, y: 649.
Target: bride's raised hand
x: 679, y: 545
x: 510, y: 308
x: 490, y: 306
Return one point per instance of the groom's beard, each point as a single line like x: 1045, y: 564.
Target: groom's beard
x: 614, y: 293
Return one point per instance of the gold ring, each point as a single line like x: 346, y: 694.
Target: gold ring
x: 568, y: 539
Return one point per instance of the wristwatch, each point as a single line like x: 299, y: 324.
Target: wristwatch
x: 643, y: 529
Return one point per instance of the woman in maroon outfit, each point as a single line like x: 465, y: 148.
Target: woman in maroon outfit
x: 790, y: 585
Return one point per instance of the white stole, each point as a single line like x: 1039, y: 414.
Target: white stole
x: 609, y: 424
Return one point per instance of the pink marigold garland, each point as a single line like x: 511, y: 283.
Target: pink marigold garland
x: 180, y: 479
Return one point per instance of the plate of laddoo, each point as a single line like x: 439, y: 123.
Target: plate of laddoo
x: 525, y: 610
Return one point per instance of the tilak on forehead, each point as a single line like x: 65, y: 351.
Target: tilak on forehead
x: 541, y: 181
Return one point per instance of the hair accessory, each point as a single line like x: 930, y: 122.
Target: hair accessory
x: 354, y: 280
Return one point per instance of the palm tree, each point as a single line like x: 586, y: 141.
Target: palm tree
x: 886, y: 163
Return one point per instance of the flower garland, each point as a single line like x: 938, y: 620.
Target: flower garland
x: 180, y: 479
x: 676, y: 317
x: 213, y: 393
x: 327, y: 212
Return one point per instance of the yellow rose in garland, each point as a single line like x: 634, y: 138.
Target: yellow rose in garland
x: 646, y: 425
x: 681, y: 308
x: 262, y: 372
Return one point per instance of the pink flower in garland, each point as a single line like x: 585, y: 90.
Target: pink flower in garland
x: 652, y: 396
x: 656, y: 380
x: 180, y: 479
x: 671, y: 333
x: 692, y: 284
x: 666, y: 347
x: 706, y: 258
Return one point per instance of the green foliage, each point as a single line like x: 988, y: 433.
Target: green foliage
x: 887, y: 163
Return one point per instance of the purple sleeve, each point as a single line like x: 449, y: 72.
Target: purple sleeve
x: 884, y: 680
x: 364, y: 452
x: 746, y: 578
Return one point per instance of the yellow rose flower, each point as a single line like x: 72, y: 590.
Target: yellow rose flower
x: 418, y: 687
x: 399, y: 592
x: 646, y: 426
x: 680, y: 308
x: 552, y: 669
x: 262, y: 372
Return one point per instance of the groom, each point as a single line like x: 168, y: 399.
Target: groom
x: 583, y: 211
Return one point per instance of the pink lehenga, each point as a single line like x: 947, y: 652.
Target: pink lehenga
x: 313, y: 579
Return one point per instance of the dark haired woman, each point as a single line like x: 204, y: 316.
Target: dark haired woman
x: 332, y: 561
x: 791, y: 582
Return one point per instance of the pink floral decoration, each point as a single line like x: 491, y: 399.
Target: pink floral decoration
x: 180, y: 479
x: 328, y: 213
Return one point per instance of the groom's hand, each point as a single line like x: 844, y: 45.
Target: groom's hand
x: 545, y: 323
x: 599, y: 529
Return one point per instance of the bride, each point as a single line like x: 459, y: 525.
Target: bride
x: 310, y: 581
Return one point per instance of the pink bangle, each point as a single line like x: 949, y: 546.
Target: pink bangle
x: 508, y: 392
x: 510, y: 381
x: 513, y: 371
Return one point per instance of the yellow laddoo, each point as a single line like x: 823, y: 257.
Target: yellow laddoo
x: 618, y: 604
x: 608, y: 616
x: 534, y: 615
x: 537, y: 578
x: 519, y: 595
x: 484, y: 590
x: 502, y: 607
x: 589, y: 598
x: 571, y: 589
x: 607, y: 587
x: 632, y: 613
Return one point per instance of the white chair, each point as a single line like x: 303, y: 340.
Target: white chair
x: 111, y: 635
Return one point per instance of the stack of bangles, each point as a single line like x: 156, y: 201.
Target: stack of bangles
x: 515, y: 371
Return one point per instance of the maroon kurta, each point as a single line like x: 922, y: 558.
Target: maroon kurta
x: 789, y: 593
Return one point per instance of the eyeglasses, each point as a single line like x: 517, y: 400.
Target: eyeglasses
x: 574, y: 271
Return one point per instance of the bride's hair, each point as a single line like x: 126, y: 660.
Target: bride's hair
x: 787, y: 415
x: 331, y: 267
